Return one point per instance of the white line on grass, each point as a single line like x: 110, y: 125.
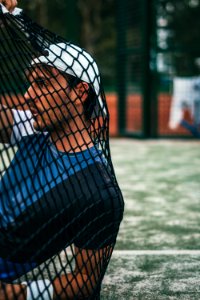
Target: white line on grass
x: 128, y: 253
x: 124, y: 253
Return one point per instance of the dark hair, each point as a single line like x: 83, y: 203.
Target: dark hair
x: 90, y: 102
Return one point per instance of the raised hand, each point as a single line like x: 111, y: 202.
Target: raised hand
x: 9, y: 4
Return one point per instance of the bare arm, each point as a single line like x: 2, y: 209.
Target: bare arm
x: 80, y: 284
x: 12, y: 291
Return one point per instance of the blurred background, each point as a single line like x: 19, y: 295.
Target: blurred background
x: 148, y: 53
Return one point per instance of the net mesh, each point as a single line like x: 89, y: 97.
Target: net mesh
x: 60, y: 204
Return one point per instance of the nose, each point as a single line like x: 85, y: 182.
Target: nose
x: 27, y: 97
x: 31, y: 94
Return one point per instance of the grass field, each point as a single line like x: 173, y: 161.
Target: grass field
x: 157, y: 254
x: 160, y: 181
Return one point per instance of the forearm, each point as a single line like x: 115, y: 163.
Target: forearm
x: 82, y: 282
x: 71, y: 286
x: 65, y: 287
x: 12, y: 291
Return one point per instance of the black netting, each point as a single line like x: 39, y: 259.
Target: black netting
x: 60, y: 204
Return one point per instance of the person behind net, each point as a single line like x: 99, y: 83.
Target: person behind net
x: 59, y: 189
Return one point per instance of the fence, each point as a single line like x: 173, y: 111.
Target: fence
x: 158, y: 61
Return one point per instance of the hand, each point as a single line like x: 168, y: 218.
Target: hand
x: 12, y: 291
x: 9, y: 4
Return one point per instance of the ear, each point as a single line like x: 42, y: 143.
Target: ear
x: 82, y: 90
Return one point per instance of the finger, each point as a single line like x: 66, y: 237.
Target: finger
x: 13, y: 5
x: 10, y: 4
x: 7, y: 4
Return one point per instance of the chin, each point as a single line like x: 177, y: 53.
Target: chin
x: 41, y: 127
x: 47, y: 125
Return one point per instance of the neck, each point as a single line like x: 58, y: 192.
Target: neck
x: 74, y: 139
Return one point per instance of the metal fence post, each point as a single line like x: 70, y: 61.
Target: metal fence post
x: 121, y: 65
x: 149, y: 108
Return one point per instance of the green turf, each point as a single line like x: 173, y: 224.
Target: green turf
x: 152, y: 278
x: 160, y: 181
